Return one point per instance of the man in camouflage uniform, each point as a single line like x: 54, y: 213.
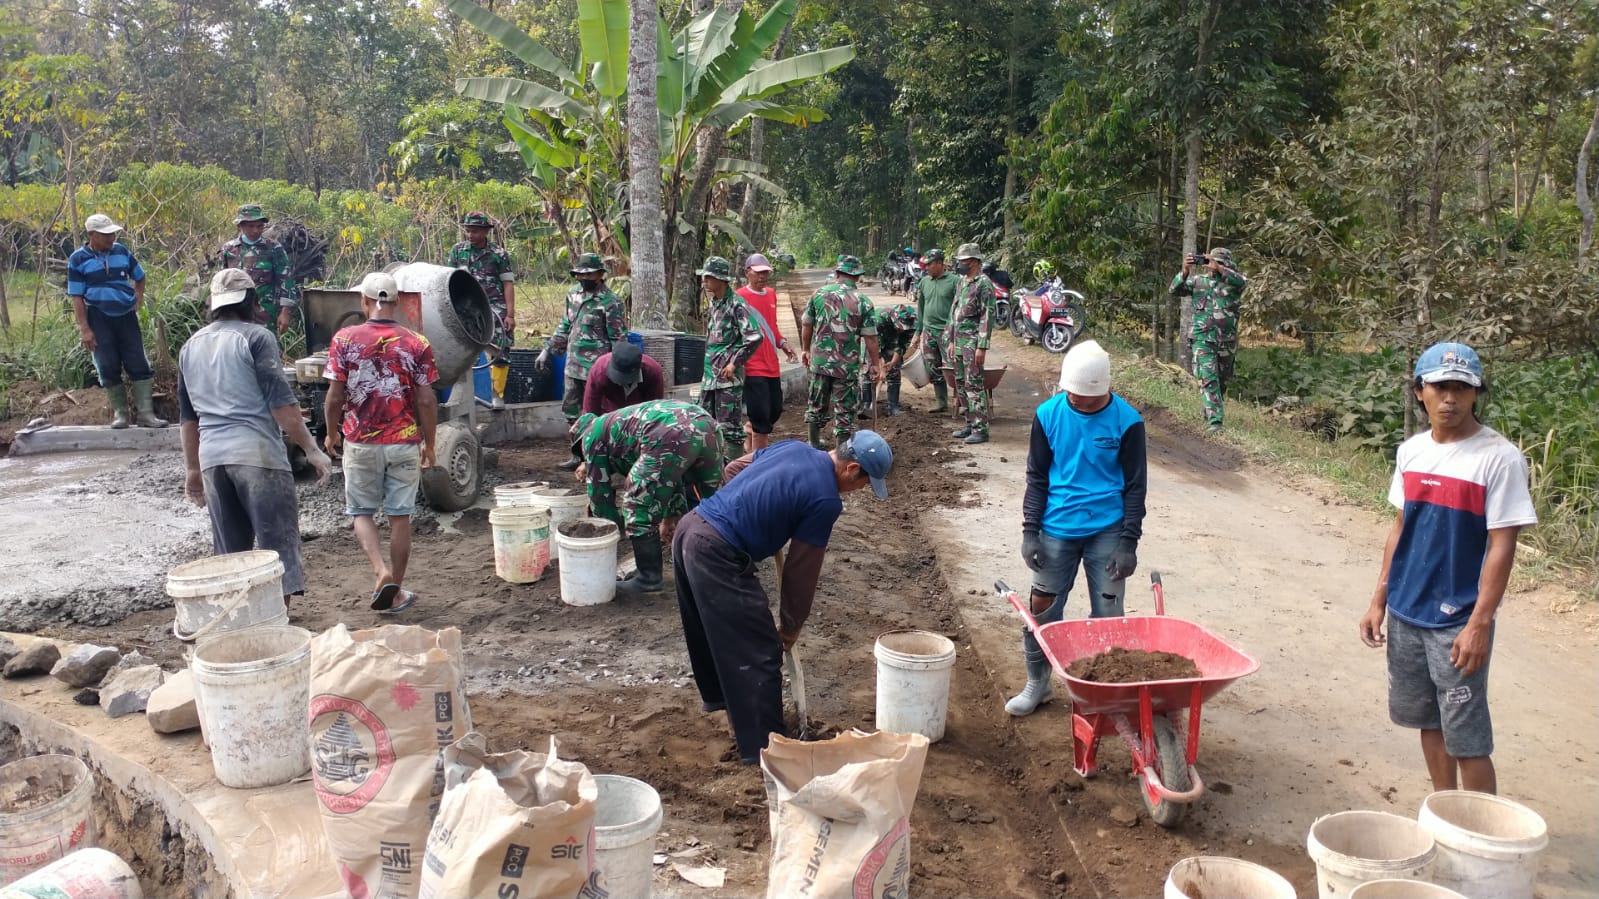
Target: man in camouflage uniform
x: 896, y: 328
x: 594, y: 318
x: 267, y: 264
x: 671, y: 455
x: 1214, y: 293
x: 490, y: 264
x: 971, y: 322
x: 731, y: 337
x: 838, y: 321
x: 935, y: 294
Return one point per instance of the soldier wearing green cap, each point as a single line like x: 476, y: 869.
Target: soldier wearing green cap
x: 267, y: 264
x: 1214, y: 293
x: 838, y: 320
x: 935, y: 294
x: 593, y: 320
x: 491, y: 265
x: 731, y: 337
x: 971, y: 323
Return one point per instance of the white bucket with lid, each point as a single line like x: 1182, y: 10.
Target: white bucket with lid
x: 1350, y: 848
x: 1216, y: 877
x: 46, y: 811
x: 627, y: 816
x: 913, y: 676
x: 518, y: 494
x: 521, y: 542
x: 252, y: 689
x: 1402, y: 889
x: 1488, y: 846
x: 588, y: 564
x: 565, y: 503
x: 84, y: 874
x: 227, y: 593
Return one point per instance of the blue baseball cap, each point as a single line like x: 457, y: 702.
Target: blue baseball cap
x: 1450, y: 362
x: 871, y: 451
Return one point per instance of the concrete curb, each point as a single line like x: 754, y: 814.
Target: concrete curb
x: 90, y: 438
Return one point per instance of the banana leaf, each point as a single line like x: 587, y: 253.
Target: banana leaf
x: 512, y: 38
x: 602, y: 29
x: 526, y: 94
x: 770, y: 77
x: 729, y: 164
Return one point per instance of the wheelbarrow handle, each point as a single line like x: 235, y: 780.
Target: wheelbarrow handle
x: 1159, y: 590
x: 1010, y: 595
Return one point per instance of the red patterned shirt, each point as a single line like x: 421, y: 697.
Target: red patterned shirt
x: 382, y: 365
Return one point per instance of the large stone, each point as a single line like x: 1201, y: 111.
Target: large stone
x: 8, y: 651
x: 171, y: 708
x: 86, y: 665
x: 134, y: 659
x: 36, y: 659
x: 130, y: 690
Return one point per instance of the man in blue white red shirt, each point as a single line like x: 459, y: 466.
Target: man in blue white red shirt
x: 1461, y: 490
x: 106, y: 285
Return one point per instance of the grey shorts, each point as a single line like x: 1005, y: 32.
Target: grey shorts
x: 256, y: 508
x: 381, y: 476
x: 1426, y: 691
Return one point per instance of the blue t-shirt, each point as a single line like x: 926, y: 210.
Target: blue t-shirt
x: 787, y: 492
x: 1086, y: 478
x: 104, y: 280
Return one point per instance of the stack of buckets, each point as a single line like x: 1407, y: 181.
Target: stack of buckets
x: 521, y: 533
x: 527, y: 522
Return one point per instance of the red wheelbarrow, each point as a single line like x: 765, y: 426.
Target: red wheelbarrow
x: 1163, y: 761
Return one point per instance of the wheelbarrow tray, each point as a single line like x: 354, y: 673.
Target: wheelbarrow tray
x: 1219, y: 662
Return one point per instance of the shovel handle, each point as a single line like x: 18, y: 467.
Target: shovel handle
x: 1010, y: 596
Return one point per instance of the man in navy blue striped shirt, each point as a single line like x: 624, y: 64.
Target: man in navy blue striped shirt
x: 106, y: 285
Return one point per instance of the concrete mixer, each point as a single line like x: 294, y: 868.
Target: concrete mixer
x: 449, y: 308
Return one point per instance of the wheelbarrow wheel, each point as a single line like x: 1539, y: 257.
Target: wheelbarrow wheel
x: 1171, y: 763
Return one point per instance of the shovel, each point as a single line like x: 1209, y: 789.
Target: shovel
x: 795, y: 671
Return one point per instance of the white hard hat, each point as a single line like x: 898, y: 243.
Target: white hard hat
x: 1086, y: 370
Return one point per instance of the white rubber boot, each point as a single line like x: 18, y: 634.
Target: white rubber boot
x: 1038, y: 691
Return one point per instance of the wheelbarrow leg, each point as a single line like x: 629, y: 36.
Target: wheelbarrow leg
x: 1085, y: 742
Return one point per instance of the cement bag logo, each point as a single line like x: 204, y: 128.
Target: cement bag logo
x: 885, y: 872
x: 351, y: 754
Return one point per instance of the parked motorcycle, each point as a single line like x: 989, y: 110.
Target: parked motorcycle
x: 893, y: 274
x: 1003, y: 285
x: 1053, y: 316
x: 913, y: 275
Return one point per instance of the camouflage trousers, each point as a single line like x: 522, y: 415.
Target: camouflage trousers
x: 833, y: 399
x: 503, y: 339
x: 726, y: 405
x: 969, y: 381
x: 890, y: 375
x: 572, y: 399
x: 662, y: 484
x: 291, y: 341
x: 935, y: 353
x: 1213, y: 365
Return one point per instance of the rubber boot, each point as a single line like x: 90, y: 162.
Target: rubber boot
x: 940, y: 396
x: 1038, y: 691
x: 813, y: 431
x: 499, y: 375
x: 647, y: 555
x: 893, y: 401
x: 118, y: 398
x: 867, y: 395
x: 573, y: 461
x: 144, y: 405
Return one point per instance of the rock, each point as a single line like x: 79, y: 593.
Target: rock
x: 36, y: 659
x: 1059, y: 877
x: 171, y: 707
x: 8, y: 651
x: 86, y: 665
x: 87, y: 696
x: 134, y: 659
x: 129, y: 691
x: 1124, y: 816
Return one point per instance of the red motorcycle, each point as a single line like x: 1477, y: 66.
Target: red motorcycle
x: 1054, y: 317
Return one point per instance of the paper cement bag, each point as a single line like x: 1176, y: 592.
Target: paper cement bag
x: 385, y: 703
x: 840, y: 814
x: 514, y: 825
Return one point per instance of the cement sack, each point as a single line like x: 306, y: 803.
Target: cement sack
x: 385, y: 704
x: 514, y: 825
x: 840, y: 814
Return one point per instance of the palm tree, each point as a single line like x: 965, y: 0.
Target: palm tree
x: 644, y: 168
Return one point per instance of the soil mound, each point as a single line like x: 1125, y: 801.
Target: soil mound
x: 1130, y: 666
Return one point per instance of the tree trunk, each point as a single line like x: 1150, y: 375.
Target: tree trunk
x: 1173, y: 304
x: 1012, y: 87
x: 909, y: 212
x: 644, y: 169
x: 752, y: 195
x: 1584, y: 195
x: 1485, y: 161
x: 1194, y: 149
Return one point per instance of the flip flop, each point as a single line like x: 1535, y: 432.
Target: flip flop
x: 383, y: 597
x: 406, y: 599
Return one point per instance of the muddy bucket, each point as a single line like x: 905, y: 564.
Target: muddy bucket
x: 84, y: 874
x: 588, y: 564
x: 1488, y: 846
x: 913, y: 674
x: 1350, y: 848
x: 253, y: 692
x: 520, y: 494
x: 627, y: 816
x: 564, y: 503
x: 227, y: 593
x: 914, y: 370
x: 1215, y: 877
x: 45, y: 812
x: 1402, y: 889
x: 521, y: 542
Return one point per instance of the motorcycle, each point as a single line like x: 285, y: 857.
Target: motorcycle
x: 1002, y: 290
x: 893, y: 274
x: 1053, y: 316
x: 913, y: 275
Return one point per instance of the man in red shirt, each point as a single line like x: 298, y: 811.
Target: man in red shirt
x: 630, y: 378
x: 763, y: 384
x: 380, y: 391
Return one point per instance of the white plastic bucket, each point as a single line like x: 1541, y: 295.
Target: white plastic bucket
x: 227, y: 593
x: 914, y: 370
x: 252, y: 689
x: 588, y: 564
x: 1216, y: 877
x: 521, y: 542
x: 1402, y: 889
x: 84, y: 874
x: 913, y: 674
x: 1350, y: 848
x: 626, y: 818
x: 519, y: 494
x: 46, y: 811
x: 571, y: 504
x: 1488, y: 846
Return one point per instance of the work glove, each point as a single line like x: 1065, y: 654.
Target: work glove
x: 320, y: 463
x: 1033, y: 550
x: 1124, y: 561
x: 543, y: 361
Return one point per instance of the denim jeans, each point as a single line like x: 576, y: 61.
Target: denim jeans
x: 1061, y: 559
x: 118, y: 345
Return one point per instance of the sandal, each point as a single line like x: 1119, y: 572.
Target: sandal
x: 383, y: 597
x: 407, y: 598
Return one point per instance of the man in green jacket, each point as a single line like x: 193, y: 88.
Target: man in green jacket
x: 731, y: 337
x: 970, y: 326
x: 935, y: 295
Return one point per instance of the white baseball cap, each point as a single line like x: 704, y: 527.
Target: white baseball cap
x: 757, y: 263
x: 1086, y: 370
x: 101, y: 223
x: 228, y: 287
x: 381, y: 287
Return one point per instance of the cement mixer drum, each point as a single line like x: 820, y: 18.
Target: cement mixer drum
x: 456, y: 316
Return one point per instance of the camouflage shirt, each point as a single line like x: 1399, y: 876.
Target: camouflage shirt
x: 971, y: 320
x: 840, y: 317
x: 590, y: 324
x: 1214, y: 301
x: 267, y: 264
x: 895, y: 328
x: 731, y: 335
x: 491, y: 266
x: 676, y: 443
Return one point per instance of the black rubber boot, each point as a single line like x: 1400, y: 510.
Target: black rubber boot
x: 647, y: 555
x: 814, y: 432
x: 866, y: 401
x: 893, y: 401
x: 941, y: 395
x: 570, y: 464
